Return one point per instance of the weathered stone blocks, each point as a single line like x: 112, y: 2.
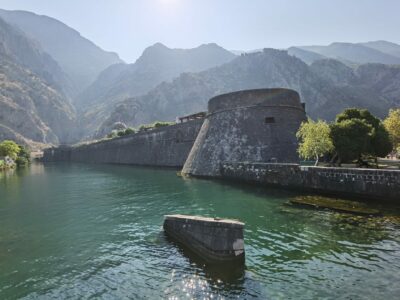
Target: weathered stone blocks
x: 383, y: 185
x: 166, y: 146
x: 253, y: 125
x: 215, y: 240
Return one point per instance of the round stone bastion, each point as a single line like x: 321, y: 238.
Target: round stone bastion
x: 247, y: 126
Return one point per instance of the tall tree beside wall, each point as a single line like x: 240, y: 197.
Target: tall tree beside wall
x: 314, y: 140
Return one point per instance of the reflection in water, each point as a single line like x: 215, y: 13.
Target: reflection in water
x: 4, y: 174
x: 226, y: 272
x: 78, y: 231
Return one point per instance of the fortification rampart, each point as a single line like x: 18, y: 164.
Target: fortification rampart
x: 165, y: 146
x: 383, y: 185
x: 253, y: 125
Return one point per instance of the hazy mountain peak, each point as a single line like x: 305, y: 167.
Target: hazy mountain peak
x: 353, y: 53
x: 210, y: 46
x: 80, y: 58
x: 157, y: 46
x: 384, y: 46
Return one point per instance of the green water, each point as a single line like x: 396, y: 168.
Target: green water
x: 95, y: 231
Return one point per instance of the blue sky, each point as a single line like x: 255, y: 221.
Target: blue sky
x: 129, y: 26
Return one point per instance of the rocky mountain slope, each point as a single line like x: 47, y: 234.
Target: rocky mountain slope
x: 307, y: 56
x: 158, y: 63
x: 326, y: 88
x: 78, y: 57
x: 32, y: 102
x: 26, y: 52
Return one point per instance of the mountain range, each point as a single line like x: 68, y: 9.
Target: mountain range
x: 351, y: 53
x: 327, y: 87
x: 157, y: 64
x: 59, y: 87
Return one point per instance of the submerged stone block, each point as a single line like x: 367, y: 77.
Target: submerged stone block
x: 215, y: 240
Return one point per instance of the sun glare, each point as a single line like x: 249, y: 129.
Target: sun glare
x: 168, y: 2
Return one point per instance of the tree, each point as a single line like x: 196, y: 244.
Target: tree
x: 24, y: 156
x: 314, y: 140
x: 351, y: 139
x: 381, y: 142
x: 129, y: 131
x: 392, y: 125
x: 112, y: 134
x: 357, y: 133
x: 9, y: 148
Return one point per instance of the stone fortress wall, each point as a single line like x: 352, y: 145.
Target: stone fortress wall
x: 166, y: 146
x: 254, y: 125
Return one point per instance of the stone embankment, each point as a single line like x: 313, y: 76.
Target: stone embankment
x: 383, y: 185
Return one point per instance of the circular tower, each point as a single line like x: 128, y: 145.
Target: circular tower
x: 247, y: 126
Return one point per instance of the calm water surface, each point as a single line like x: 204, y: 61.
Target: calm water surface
x: 71, y: 231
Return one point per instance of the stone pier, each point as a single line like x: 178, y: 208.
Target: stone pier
x: 215, y: 240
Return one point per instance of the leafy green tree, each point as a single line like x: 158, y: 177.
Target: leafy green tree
x: 162, y: 124
x: 24, y: 156
x: 381, y: 142
x: 314, y: 140
x: 9, y: 148
x: 357, y: 113
x: 357, y: 133
x: 129, y: 131
x: 351, y: 138
x: 392, y: 125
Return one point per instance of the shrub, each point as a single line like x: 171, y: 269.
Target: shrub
x: 112, y: 134
x: 129, y: 131
x: 162, y: 124
x: 9, y: 148
x: 22, y: 161
x: 24, y: 155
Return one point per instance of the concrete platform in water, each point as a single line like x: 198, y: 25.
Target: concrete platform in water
x: 215, y: 240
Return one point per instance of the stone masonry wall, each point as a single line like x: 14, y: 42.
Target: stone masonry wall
x: 166, y: 146
x: 216, y: 240
x: 252, y: 125
x: 366, y: 183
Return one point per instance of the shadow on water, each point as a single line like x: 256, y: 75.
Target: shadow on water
x: 222, y: 278
x: 225, y: 274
